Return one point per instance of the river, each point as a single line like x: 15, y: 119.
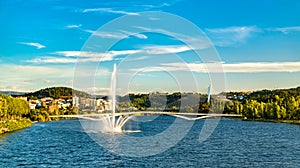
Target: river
x: 233, y: 143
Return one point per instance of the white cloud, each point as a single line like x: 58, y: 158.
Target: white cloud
x: 240, y: 34
x: 109, y: 10
x: 135, y: 58
x: 106, y: 56
x: 231, y: 35
x: 235, y: 29
x: 24, y: 72
x: 124, y: 52
x: 37, y: 45
x: 47, y: 81
x: 107, y: 34
x: 74, y: 26
x: 96, y: 90
x: 30, y: 77
x: 197, y: 41
x: 166, y: 49
x: 146, y: 49
x: 58, y: 82
x: 246, y: 67
x: 82, y: 56
x: 117, y: 35
x: 15, y: 88
x: 285, y: 30
x: 60, y: 60
x: 150, y: 6
x: 52, y: 60
x: 263, y: 67
x: 137, y: 35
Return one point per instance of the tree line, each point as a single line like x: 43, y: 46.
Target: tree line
x: 281, y: 104
x: 171, y: 102
x: 15, y: 108
x: 12, y: 108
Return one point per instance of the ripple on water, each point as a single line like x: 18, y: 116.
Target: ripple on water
x: 233, y: 144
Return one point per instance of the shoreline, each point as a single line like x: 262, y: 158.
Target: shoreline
x: 14, y: 125
x: 295, y: 122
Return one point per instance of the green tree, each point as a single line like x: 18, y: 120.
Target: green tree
x: 3, y: 108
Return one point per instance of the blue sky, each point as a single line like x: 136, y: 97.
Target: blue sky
x: 258, y: 44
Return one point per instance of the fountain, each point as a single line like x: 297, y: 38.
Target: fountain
x: 110, y: 123
x: 113, y: 123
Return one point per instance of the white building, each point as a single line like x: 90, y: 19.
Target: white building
x: 75, y: 101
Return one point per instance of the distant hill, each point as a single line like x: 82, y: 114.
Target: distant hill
x: 12, y: 93
x: 56, y: 92
x: 267, y: 95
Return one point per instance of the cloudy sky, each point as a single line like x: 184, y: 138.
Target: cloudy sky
x: 46, y: 43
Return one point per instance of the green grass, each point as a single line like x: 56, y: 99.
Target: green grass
x: 13, y: 125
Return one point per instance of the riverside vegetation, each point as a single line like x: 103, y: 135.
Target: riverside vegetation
x: 282, y: 105
x: 15, y: 113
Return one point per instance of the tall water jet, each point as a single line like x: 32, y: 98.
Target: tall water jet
x: 113, y: 83
x: 110, y: 121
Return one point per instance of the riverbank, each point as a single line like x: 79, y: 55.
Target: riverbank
x: 14, y: 125
x: 278, y: 121
x: 272, y: 120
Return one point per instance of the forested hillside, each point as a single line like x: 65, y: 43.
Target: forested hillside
x: 56, y: 92
x: 280, y: 104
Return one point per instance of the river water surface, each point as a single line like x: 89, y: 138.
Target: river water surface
x: 234, y: 143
